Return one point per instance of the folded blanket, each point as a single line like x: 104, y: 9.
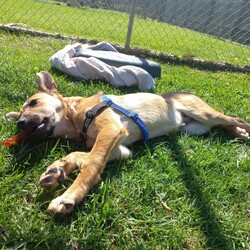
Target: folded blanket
x: 91, y: 68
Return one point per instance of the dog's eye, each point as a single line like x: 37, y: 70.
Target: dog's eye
x: 33, y: 103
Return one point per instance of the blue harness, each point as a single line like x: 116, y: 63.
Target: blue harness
x: 107, y: 102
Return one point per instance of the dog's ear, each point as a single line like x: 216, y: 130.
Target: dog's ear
x: 12, y: 116
x: 47, y: 83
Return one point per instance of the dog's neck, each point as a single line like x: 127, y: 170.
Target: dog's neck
x: 75, y: 109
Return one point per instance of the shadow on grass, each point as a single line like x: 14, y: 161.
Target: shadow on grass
x: 32, y: 151
x: 209, y: 220
x: 210, y: 226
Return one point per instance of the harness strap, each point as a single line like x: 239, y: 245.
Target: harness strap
x: 90, y: 115
x: 107, y: 102
x: 132, y: 115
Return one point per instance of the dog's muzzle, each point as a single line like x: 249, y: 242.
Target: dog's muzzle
x: 36, y: 127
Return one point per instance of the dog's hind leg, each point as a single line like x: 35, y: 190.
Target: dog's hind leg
x: 235, y: 126
x: 199, y: 117
x: 108, y: 139
x: 205, y: 119
x: 120, y: 152
x: 194, y: 127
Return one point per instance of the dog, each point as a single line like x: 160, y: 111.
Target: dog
x: 48, y: 114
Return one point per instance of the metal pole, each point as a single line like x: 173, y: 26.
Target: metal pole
x: 130, y: 26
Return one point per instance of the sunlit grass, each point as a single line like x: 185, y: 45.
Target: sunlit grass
x: 111, y: 26
x: 204, y: 180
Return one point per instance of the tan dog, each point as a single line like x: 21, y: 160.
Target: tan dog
x: 48, y: 114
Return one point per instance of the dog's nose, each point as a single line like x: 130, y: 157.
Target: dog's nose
x: 21, y: 122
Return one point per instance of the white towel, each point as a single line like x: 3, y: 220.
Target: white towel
x: 92, y: 68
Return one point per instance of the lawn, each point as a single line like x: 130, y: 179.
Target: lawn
x: 111, y: 26
x: 203, y: 180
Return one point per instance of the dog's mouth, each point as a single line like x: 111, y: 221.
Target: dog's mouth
x: 43, y: 130
x: 35, y: 127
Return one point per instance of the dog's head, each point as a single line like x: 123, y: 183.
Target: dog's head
x: 43, y: 111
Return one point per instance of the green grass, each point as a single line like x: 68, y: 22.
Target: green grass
x: 204, y: 180
x: 111, y: 26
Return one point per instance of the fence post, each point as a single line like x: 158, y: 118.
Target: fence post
x: 130, y: 25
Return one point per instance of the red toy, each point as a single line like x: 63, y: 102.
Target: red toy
x: 15, y: 139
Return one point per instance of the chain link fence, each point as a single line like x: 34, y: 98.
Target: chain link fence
x: 210, y: 30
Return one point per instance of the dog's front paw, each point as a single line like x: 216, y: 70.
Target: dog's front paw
x: 61, y: 206
x: 12, y: 116
x: 52, y: 177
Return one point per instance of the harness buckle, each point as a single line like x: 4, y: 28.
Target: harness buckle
x: 91, y: 114
x: 133, y: 115
x: 107, y: 100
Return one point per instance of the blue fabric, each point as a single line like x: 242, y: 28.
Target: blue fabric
x: 132, y: 115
